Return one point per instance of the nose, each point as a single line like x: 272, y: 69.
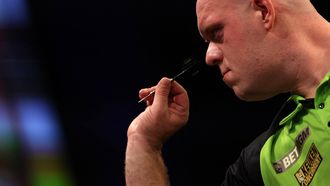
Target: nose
x: 214, y: 54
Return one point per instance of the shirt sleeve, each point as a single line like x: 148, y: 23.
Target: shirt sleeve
x: 246, y: 169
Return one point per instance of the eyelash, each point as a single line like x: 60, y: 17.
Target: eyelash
x: 216, y: 36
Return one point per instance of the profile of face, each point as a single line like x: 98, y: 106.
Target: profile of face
x: 239, y: 40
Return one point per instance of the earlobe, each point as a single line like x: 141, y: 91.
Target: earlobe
x: 267, y: 12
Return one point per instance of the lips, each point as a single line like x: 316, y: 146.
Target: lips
x: 224, y: 71
x: 227, y: 79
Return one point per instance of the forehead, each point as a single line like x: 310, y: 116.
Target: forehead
x: 222, y: 7
x: 206, y: 8
x: 209, y: 4
x: 211, y: 9
x: 205, y: 5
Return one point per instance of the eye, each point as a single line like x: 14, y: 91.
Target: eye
x: 217, y: 35
x: 213, y: 33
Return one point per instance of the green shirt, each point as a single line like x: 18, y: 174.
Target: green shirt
x: 299, y: 152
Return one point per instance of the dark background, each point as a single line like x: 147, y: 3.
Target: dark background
x: 98, y: 54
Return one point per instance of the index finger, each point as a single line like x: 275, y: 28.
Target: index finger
x: 180, y: 95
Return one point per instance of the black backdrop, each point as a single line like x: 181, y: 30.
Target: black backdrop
x: 98, y: 54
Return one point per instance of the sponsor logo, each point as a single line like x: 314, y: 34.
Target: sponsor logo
x: 290, y: 158
x: 307, y: 171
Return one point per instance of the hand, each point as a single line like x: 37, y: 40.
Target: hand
x: 167, y: 111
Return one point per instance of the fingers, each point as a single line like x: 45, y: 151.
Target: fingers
x: 165, y: 90
x: 147, y: 95
x: 180, y: 95
x: 162, y: 92
x: 145, y: 91
x: 167, y: 111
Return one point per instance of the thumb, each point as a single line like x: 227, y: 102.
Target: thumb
x: 162, y: 92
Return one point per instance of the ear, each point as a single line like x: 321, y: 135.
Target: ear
x: 266, y: 8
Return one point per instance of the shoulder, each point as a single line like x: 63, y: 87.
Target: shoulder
x: 246, y: 169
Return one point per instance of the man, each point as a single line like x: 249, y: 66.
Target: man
x: 263, y: 48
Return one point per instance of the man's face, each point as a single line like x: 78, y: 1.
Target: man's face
x: 238, y: 45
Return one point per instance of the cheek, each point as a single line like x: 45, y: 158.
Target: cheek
x: 237, y: 48
x: 242, y: 60
x: 245, y: 52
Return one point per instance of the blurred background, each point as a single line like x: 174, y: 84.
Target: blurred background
x: 70, y: 72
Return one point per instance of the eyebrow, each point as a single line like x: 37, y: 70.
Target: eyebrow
x: 202, y: 36
x: 204, y: 32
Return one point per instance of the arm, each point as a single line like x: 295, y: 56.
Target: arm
x: 166, y: 113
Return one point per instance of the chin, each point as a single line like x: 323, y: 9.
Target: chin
x: 251, y: 96
x: 251, y: 99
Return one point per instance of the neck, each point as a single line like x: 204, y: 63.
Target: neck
x: 313, y: 53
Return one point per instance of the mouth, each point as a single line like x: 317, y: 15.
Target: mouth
x: 225, y: 77
x: 224, y: 72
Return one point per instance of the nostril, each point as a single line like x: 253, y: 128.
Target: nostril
x: 214, y: 62
x: 214, y: 55
x: 212, y: 59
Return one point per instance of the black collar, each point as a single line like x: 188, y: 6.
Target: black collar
x: 308, y: 103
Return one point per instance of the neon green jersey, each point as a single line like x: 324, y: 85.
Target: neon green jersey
x: 299, y: 152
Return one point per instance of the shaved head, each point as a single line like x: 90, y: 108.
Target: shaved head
x: 247, y: 39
